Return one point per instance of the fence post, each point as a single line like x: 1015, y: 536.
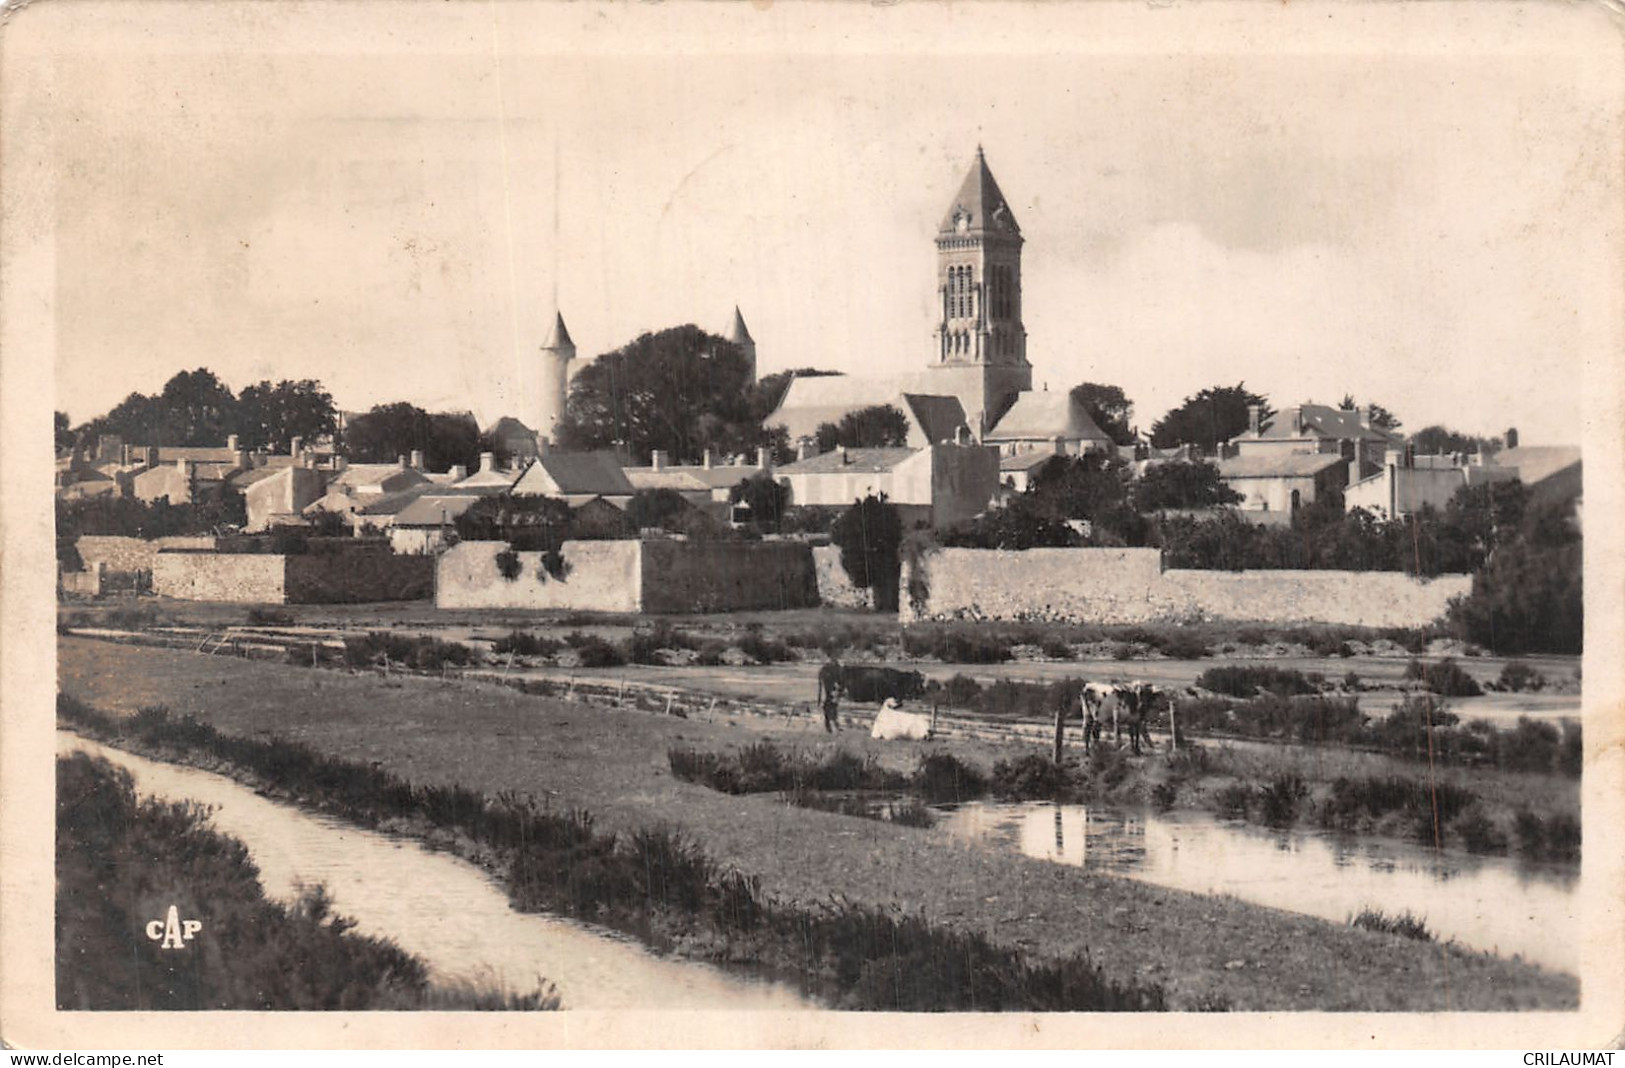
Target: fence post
x: 1060, y: 731
x: 1173, y: 724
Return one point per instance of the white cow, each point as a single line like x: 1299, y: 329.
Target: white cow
x: 893, y: 724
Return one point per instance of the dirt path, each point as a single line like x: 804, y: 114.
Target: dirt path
x: 1206, y: 950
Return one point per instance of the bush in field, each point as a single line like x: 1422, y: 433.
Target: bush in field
x: 763, y: 649
x: 1245, y: 680
x: 1445, y: 678
x: 269, y: 617
x: 1278, y: 799
x: 942, y: 777
x: 1555, y: 838
x: 710, y: 654
x: 955, y: 644
x: 1478, y: 832
x: 1055, y: 649
x: 1030, y: 778
x: 526, y: 644
x: 1234, y: 801
x: 1519, y: 677
x: 595, y: 652
x: 416, y: 653
x: 1405, y: 924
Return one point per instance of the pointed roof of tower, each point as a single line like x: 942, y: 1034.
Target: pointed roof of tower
x: 739, y: 334
x: 981, y: 202
x: 560, y: 337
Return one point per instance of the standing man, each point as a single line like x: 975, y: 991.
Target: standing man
x: 829, y: 694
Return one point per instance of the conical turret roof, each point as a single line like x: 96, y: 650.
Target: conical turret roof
x: 560, y: 337
x: 979, y: 203
x: 739, y: 334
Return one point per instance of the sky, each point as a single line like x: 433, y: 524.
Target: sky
x: 1411, y: 206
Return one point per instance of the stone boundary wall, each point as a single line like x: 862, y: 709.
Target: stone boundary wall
x: 1127, y: 586
x: 357, y: 578
x: 601, y: 576
x: 207, y: 576
x: 727, y: 576
x: 835, y: 588
x: 123, y: 554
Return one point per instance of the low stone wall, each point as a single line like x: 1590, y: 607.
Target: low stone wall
x: 600, y: 576
x: 1346, y: 598
x: 1126, y: 586
x: 207, y: 576
x: 835, y: 588
x: 87, y: 583
x: 357, y: 578
x: 727, y: 576
x: 122, y: 554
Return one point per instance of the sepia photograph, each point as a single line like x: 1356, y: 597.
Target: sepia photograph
x: 787, y: 525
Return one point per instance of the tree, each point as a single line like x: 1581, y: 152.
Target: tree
x: 1381, y: 417
x: 876, y: 426
x: 1218, y: 413
x: 765, y: 496
x: 1179, y: 484
x: 65, y: 437
x: 390, y: 431
x: 1439, y: 440
x: 527, y: 524
x: 194, y: 409
x: 680, y: 391
x: 656, y: 508
x: 1109, y: 407
x: 270, y: 417
x: 870, y: 537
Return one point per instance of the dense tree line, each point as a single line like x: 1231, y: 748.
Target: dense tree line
x: 877, y: 426
x: 196, y: 409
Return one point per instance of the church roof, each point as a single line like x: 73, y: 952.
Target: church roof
x: 939, y: 417
x: 812, y: 400
x: 739, y: 333
x: 1044, y: 416
x: 560, y: 337
x: 849, y: 461
x: 574, y: 473
x: 979, y: 198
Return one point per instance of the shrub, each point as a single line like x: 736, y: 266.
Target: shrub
x: 1445, y: 678
x: 1478, y: 832
x: 942, y: 777
x: 595, y: 652
x: 1279, y: 798
x: 1233, y: 801
x: 526, y: 644
x: 1518, y: 677
x: 763, y: 649
x: 910, y: 813
x: 1055, y: 649
x: 269, y: 617
x: 1182, y: 646
x: 1031, y: 778
x: 710, y: 654
x: 957, y: 643
x: 1405, y: 924
x: 508, y: 564
x: 1245, y: 680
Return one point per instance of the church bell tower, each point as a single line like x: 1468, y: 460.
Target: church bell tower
x: 980, y: 339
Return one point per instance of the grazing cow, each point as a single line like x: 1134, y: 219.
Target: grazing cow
x: 1128, y: 702
x: 865, y: 683
x: 893, y: 723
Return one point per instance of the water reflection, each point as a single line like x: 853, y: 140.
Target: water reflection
x: 439, y: 907
x: 1489, y: 903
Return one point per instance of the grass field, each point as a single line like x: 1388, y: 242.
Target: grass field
x: 614, y: 763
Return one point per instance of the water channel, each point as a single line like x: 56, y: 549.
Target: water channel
x: 439, y: 907
x: 1487, y: 903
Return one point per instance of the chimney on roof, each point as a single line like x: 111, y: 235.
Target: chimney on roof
x: 296, y: 446
x: 231, y: 442
x: 763, y: 459
x: 1365, y: 418
x: 340, y: 463
x: 804, y: 449
x: 1255, y: 415
x: 184, y: 466
x: 308, y: 461
x: 1512, y: 438
x: 488, y: 461
x: 543, y: 445
x: 417, y: 459
x: 400, y: 461
x: 150, y: 455
x: 124, y: 456
x: 710, y: 459
x: 657, y: 460
x: 1297, y: 418
x: 458, y: 472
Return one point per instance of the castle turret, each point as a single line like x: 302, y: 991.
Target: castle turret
x: 739, y: 334
x: 551, y: 390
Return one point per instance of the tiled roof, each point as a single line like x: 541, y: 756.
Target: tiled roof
x: 854, y: 461
x: 395, y: 503
x: 1029, y: 460
x: 393, y: 477
x: 571, y: 473
x: 1324, y: 421
x: 1286, y: 465
x: 647, y: 478
x: 1537, y: 462
x: 939, y: 417
x: 1044, y: 416
x: 433, y: 509
x: 980, y: 198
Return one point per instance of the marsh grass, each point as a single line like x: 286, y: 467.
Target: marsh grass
x: 1405, y: 924
x: 656, y: 880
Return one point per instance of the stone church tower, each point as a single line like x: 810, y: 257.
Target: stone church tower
x: 981, y: 352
